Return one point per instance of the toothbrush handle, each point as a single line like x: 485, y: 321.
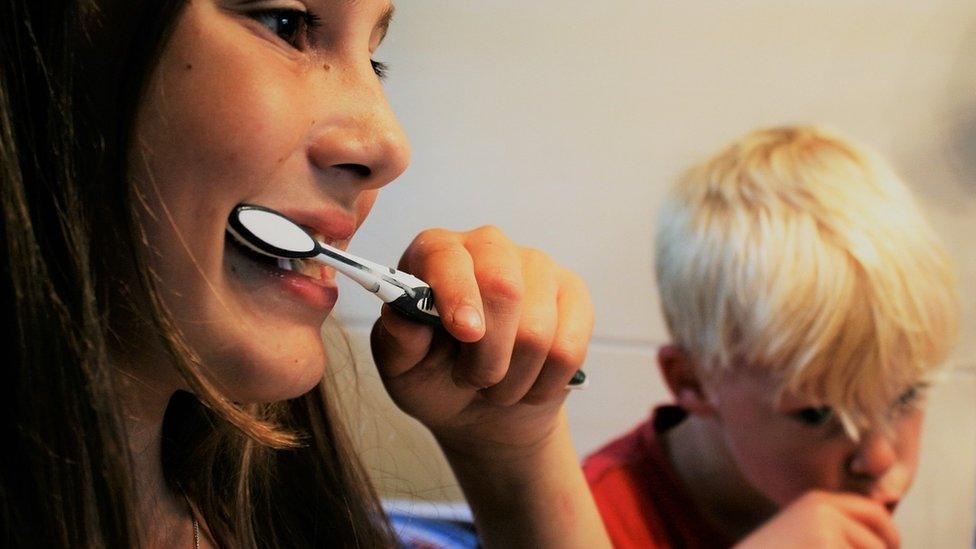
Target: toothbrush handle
x: 419, y: 308
x: 579, y: 381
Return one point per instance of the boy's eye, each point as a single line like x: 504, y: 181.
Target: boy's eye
x: 908, y: 396
x: 815, y: 417
x: 379, y: 68
x: 911, y: 396
x: 292, y: 26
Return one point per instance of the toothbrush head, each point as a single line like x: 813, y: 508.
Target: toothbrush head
x: 270, y: 233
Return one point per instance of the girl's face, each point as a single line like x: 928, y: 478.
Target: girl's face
x: 272, y: 102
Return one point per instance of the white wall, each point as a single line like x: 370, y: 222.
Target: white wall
x: 563, y: 123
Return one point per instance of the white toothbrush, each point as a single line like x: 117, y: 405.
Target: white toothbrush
x: 272, y: 234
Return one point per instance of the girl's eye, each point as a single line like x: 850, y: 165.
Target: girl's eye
x: 379, y: 68
x: 292, y: 26
x: 814, y: 417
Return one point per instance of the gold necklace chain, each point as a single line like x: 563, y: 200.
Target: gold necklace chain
x: 196, y: 529
x: 193, y: 520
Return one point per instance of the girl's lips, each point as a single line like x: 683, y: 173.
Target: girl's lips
x: 330, y: 225
x: 319, y: 293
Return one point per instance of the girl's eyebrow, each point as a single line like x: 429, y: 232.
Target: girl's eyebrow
x: 383, y: 23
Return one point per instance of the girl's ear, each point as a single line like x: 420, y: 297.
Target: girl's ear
x: 679, y: 373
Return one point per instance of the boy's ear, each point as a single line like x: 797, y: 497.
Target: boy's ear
x: 679, y: 373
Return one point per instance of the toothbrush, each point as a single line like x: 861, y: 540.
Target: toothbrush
x: 272, y: 234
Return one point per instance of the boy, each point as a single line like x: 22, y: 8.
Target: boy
x: 809, y: 304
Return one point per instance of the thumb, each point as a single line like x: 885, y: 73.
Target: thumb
x: 398, y: 344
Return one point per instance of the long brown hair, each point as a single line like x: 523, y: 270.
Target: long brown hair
x: 72, y: 74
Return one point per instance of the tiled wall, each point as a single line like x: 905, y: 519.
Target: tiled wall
x: 563, y: 123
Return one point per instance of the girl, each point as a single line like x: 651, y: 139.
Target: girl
x: 165, y: 385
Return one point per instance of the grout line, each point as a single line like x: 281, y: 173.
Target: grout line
x: 598, y: 342
x: 604, y: 343
x: 967, y: 370
x: 614, y: 344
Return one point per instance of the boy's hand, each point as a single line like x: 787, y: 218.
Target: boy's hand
x: 516, y: 329
x: 822, y: 519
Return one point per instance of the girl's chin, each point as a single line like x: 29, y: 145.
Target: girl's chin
x: 277, y: 386
x: 280, y: 368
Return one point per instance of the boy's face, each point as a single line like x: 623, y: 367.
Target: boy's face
x: 796, y: 446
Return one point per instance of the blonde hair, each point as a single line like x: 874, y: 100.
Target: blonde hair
x: 795, y: 253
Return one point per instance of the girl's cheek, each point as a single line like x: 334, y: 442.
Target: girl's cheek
x: 231, y: 99
x: 365, y: 204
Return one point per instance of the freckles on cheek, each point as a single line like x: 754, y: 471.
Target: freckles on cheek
x: 228, y: 109
x: 242, y: 126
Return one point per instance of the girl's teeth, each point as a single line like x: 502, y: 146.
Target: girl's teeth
x: 294, y: 265
x: 307, y: 268
x: 311, y: 269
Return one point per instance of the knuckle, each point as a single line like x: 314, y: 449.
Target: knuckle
x: 576, y: 283
x: 823, y: 513
x: 431, y: 235
x: 814, y: 498
x: 567, y: 353
x: 501, y: 286
x: 533, y: 338
x: 489, y: 232
x: 432, y: 241
x: 535, y: 256
x: 486, y: 377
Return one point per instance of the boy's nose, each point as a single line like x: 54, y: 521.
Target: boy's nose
x: 873, y: 457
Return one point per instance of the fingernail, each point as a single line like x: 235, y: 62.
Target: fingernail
x: 468, y: 316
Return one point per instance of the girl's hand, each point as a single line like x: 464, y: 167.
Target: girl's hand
x: 516, y: 329
x: 491, y: 384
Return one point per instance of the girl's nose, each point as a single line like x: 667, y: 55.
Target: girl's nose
x: 359, y: 139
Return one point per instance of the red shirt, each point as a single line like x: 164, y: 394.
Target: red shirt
x: 640, y: 496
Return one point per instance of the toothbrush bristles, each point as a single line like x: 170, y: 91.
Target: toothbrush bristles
x: 294, y: 265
